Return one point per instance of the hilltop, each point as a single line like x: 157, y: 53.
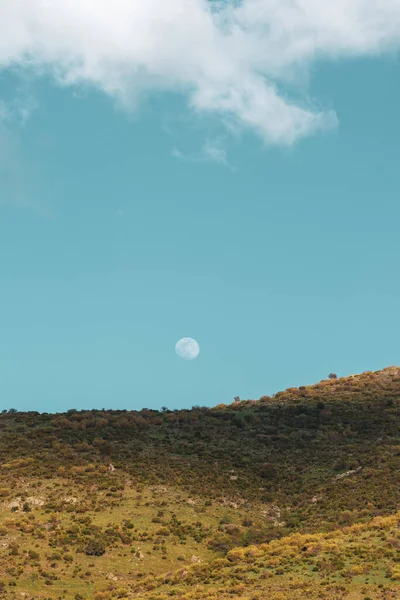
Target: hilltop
x: 291, y: 495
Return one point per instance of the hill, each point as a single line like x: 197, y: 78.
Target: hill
x: 283, y: 497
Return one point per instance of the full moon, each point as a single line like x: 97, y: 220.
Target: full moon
x: 187, y: 348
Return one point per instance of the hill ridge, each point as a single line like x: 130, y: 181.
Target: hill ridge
x: 191, y: 488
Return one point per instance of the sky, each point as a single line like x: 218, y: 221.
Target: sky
x: 226, y: 171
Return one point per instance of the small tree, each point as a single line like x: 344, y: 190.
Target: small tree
x: 332, y: 376
x: 95, y: 548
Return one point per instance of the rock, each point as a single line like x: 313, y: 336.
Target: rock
x: 348, y: 473
x: 35, y: 501
x: 70, y: 499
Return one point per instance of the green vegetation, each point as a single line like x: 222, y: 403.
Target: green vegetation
x: 295, y: 495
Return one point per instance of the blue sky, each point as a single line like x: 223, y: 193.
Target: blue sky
x: 125, y: 226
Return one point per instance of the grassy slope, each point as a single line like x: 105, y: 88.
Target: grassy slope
x: 189, y: 487
x: 347, y: 563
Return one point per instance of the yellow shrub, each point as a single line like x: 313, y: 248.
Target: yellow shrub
x: 78, y: 470
x: 18, y: 462
x: 395, y: 572
x: 102, y: 596
x: 236, y: 555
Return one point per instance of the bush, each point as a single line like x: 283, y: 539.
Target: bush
x: 268, y: 471
x: 95, y: 548
x: 68, y: 557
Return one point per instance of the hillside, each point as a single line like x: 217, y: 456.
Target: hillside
x: 295, y: 495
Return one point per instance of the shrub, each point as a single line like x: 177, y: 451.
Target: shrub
x: 95, y: 548
x: 102, y: 596
x: 68, y: 557
x: 395, y: 573
x: 268, y: 471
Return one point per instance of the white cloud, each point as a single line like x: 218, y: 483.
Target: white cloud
x: 17, y: 110
x: 238, y: 60
x: 211, y: 151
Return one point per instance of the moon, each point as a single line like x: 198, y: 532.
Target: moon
x: 187, y: 348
